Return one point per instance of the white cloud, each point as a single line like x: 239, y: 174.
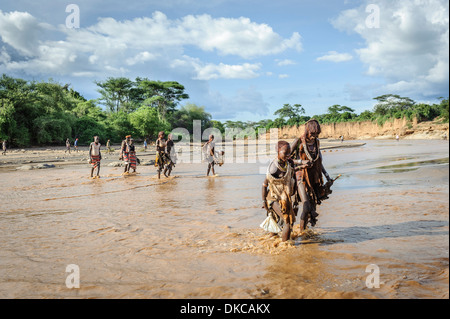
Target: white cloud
x: 240, y: 37
x: 4, y: 56
x: 283, y: 76
x: 285, y: 62
x: 334, y: 56
x: 155, y: 46
x: 210, y: 71
x: 225, y: 71
x: 20, y: 30
x: 150, y: 42
x: 410, y: 49
x: 141, y: 57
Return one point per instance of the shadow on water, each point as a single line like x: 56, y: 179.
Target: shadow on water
x: 357, y: 234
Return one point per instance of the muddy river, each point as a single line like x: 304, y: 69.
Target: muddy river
x: 192, y: 236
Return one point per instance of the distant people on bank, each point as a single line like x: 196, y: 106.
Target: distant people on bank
x: 397, y: 137
x: 4, y: 147
x: 67, y: 146
x: 145, y: 145
x: 95, y: 157
x: 342, y: 138
x: 108, y: 146
x: 75, y: 144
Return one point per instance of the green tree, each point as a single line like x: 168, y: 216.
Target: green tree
x: 291, y: 112
x: 185, y: 116
x: 218, y: 125
x: 85, y: 128
x: 51, y: 130
x: 7, y: 122
x: 89, y: 109
x: 19, y: 98
x: 443, y: 109
x: 164, y: 96
x: 366, y: 116
x: 388, y: 104
x: 338, y: 113
x: 279, y: 122
x: 146, y: 122
x: 119, y: 126
x: 116, y: 94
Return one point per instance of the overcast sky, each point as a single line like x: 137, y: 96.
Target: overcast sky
x: 242, y: 60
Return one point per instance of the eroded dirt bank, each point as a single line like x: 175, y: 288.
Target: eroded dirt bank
x: 370, y: 130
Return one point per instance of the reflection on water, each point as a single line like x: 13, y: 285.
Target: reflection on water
x: 192, y: 236
x: 410, y: 166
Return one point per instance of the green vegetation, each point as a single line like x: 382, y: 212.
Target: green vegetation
x: 46, y: 113
x: 388, y: 108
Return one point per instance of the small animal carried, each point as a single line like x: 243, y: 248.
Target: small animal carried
x: 325, y: 190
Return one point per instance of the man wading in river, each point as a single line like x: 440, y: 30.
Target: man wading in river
x: 279, y: 188
x: 170, y: 156
x: 310, y: 184
x: 124, y: 154
x: 160, y: 153
x: 95, y: 157
x: 209, y: 152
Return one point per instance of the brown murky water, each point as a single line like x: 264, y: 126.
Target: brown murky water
x: 195, y: 237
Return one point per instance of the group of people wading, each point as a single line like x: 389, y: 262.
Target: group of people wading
x: 164, y: 160
x: 165, y: 155
x: 295, y: 177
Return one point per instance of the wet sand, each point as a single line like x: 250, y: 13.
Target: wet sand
x: 192, y: 236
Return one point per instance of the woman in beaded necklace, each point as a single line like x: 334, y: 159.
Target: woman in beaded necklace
x: 309, y: 177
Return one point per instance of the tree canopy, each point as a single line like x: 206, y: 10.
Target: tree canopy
x: 47, y: 113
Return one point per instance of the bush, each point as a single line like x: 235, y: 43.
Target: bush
x: 50, y: 130
x: 85, y: 128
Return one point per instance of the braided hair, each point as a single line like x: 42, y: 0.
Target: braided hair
x: 312, y: 126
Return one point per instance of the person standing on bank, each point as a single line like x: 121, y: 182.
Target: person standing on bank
x: 108, y: 146
x: 67, y: 146
x: 4, y: 147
